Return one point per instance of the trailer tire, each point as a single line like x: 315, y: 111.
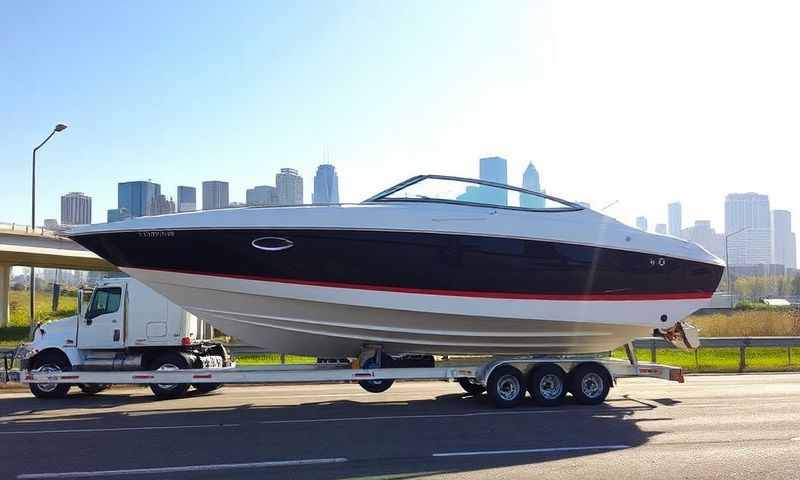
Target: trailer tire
x: 170, y: 361
x: 376, y: 386
x: 589, y: 384
x: 52, y: 361
x: 471, y: 387
x: 506, y: 386
x: 547, y: 385
x: 93, y: 388
x: 207, y: 387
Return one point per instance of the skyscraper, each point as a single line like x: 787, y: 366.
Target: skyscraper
x: 140, y: 199
x: 493, y: 169
x: 661, y: 228
x: 165, y: 205
x: 262, y: 195
x: 326, y: 185
x: 215, y: 195
x: 76, y: 209
x: 784, y: 243
x: 641, y: 223
x: 703, y: 234
x: 748, y: 214
x: 117, y: 215
x: 674, y: 219
x: 290, y: 187
x: 530, y: 181
x: 187, y: 199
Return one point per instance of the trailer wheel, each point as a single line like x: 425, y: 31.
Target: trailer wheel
x: 207, y: 387
x: 506, y: 386
x: 93, y: 388
x: 50, y: 362
x: 547, y: 385
x: 170, y: 361
x: 589, y: 384
x: 376, y: 386
x: 471, y: 387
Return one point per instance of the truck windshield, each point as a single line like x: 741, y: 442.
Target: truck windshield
x: 105, y: 300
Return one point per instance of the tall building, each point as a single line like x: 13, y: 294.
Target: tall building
x: 290, y: 187
x: 326, y: 185
x: 187, y: 199
x: 76, y: 209
x: 749, y: 215
x: 641, y: 223
x: 140, y: 199
x: 674, y: 219
x: 703, y: 234
x: 493, y: 169
x: 215, y: 195
x: 784, y: 243
x: 262, y: 195
x: 164, y: 205
x: 661, y: 228
x: 530, y: 181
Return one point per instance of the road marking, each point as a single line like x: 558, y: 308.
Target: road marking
x: 119, y: 429
x: 186, y: 468
x: 532, y: 450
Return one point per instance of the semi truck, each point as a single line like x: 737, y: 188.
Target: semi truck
x: 124, y: 326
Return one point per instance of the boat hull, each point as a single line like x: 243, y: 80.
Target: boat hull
x: 339, y: 322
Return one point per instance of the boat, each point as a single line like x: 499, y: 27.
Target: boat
x: 433, y: 265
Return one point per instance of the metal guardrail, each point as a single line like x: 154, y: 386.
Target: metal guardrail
x: 26, y: 229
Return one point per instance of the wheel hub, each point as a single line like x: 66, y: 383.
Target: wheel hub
x: 508, y: 387
x: 167, y: 367
x: 592, y: 385
x: 49, y: 368
x: 550, y: 386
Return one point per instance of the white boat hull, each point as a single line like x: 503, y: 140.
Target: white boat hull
x: 338, y: 322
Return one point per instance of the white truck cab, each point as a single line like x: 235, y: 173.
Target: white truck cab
x: 125, y: 325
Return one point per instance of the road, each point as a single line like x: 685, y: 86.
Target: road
x: 713, y: 426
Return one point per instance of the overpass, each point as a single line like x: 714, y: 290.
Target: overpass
x: 21, y: 245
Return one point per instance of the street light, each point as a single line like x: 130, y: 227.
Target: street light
x: 728, y: 265
x: 58, y: 128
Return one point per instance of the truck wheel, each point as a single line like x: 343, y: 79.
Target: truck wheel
x: 589, y: 384
x: 547, y: 385
x: 170, y: 361
x: 207, y: 387
x: 93, y: 388
x: 376, y: 386
x: 51, y: 362
x: 471, y: 387
x: 506, y: 386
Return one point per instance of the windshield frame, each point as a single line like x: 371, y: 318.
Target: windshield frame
x: 383, y: 196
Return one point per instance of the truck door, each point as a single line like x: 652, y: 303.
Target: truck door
x: 102, y: 325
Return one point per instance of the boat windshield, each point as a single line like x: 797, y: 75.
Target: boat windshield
x: 437, y: 188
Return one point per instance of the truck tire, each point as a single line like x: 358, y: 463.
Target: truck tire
x: 547, y: 385
x: 170, y: 361
x: 506, y: 387
x: 471, y: 387
x: 377, y: 386
x: 589, y: 383
x: 50, y: 362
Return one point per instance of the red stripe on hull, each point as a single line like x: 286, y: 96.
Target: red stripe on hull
x: 461, y: 293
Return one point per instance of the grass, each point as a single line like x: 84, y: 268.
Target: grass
x: 722, y: 359
x: 19, y: 307
x: 749, y: 323
x: 273, y: 359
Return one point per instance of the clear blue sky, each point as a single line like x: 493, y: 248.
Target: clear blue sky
x: 642, y: 102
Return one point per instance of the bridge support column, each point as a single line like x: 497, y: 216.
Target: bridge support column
x: 5, y: 281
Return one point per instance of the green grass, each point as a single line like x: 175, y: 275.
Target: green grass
x: 19, y: 307
x: 273, y: 359
x: 722, y: 359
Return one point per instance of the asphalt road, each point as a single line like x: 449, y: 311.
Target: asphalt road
x: 713, y: 426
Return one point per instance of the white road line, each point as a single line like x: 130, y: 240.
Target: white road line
x: 532, y: 450
x: 119, y: 429
x: 186, y: 468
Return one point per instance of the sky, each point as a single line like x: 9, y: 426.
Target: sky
x: 639, y: 102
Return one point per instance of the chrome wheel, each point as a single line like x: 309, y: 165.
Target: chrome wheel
x: 48, y: 368
x: 508, y: 387
x: 592, y: 385
x: 168, y: 367
x: 551, y: 387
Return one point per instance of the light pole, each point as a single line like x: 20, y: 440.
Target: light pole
x: 58, y: 128
x: 728, y: 265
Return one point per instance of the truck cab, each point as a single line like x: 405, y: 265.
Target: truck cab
x: 121, y: 325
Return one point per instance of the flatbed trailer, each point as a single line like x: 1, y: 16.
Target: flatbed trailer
x: 505, y: 380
